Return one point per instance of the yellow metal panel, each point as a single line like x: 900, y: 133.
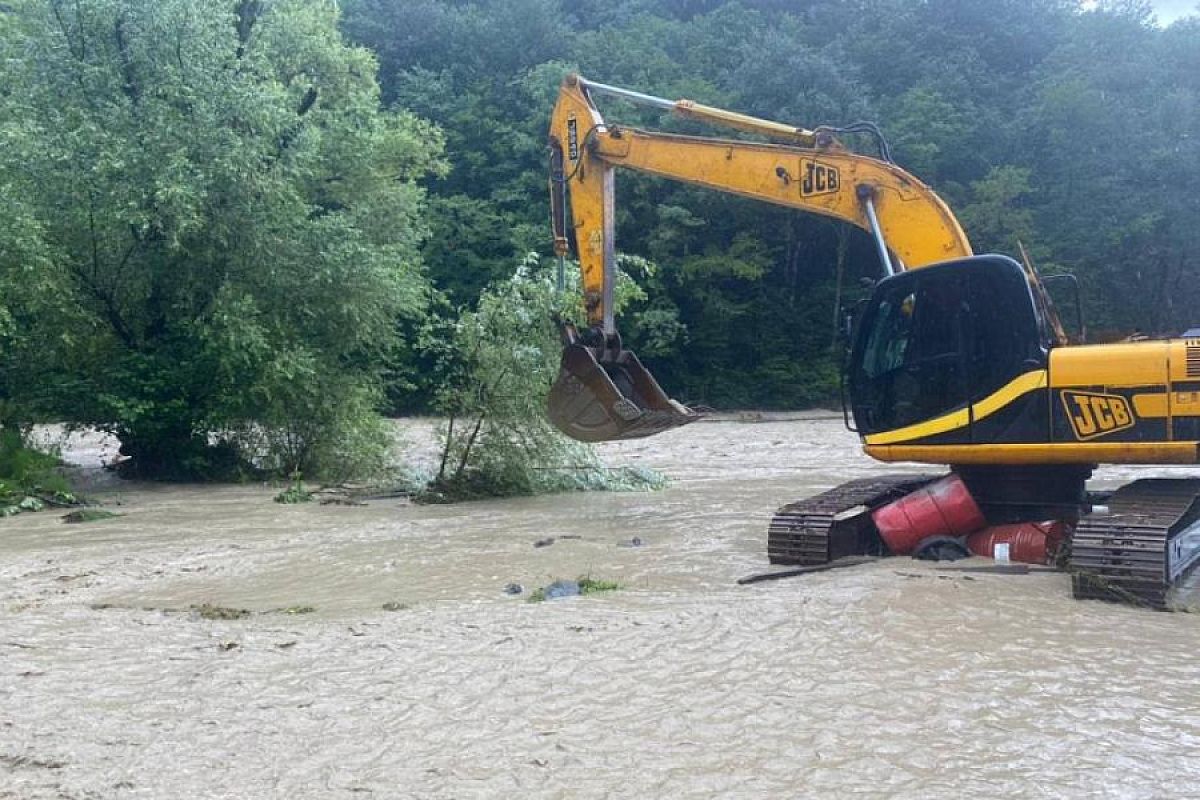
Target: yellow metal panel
x: 1150, y: 406
x: 942, y: 424
x: 916, y: 224
x: 1123, y: 364
x: 1185, y: 404
x: 574, y: 125
x: 1176, y: 404
x: 1018, y: 387
x: 1064, y: 453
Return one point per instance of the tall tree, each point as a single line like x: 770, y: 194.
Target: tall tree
x: 230, y: 220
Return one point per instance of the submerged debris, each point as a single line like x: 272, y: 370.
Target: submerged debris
x: 209, y: 611
x: 556, y: 590
x: 15, y: 762
x: 561, y: 588
x: 342, y: 501
x: 88, y: 515
x: 941, y: 548
x: 841, y: 563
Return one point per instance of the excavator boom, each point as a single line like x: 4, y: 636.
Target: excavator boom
x: 603, y: 392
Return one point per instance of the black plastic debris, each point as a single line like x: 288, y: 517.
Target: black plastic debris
x: 941, y: 548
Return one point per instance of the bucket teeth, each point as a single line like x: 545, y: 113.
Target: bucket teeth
x: 610, y: 396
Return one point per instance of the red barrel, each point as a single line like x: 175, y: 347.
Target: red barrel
x: 943, y: 508
x: 1028, y: 542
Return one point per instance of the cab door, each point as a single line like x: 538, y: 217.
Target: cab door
x: 950, y: 354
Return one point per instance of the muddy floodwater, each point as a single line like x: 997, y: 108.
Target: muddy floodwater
x: 383, y: 658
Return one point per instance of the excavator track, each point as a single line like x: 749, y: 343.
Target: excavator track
x: 819, y: 529
x: 1146, y: 542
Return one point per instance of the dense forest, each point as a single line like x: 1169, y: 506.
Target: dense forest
x: 238, y: 226
x: 1075, y: 133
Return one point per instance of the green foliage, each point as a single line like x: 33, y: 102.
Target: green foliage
x: 1003, y: 105
x: 497, y: 441
x: 214, y: 226
x: 295, y: 493
x: 587, y: 585
x: 997, y: 219
x: 590, y: 585
x: 216, y: 245
x: 29, y: 478
x: 297, y: 610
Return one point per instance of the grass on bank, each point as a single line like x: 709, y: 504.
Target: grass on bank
x: 29, y: 478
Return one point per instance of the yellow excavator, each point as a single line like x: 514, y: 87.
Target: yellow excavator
x: 956, y: 359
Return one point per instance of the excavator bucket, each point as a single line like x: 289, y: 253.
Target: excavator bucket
x: 600, y: 399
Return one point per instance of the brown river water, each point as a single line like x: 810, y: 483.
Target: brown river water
x: 897, y: 679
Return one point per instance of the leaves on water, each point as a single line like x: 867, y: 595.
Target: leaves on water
x: 589, y: 585
x: 297, y: 610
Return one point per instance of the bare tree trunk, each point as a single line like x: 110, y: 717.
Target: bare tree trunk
x: 446, y: 448
x: 483, y: 396
x: 462, y: 462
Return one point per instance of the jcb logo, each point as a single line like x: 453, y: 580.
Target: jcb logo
x: 816, y: 178
x: 1095, y: 415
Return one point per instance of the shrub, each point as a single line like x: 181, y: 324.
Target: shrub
x: 497, y: 441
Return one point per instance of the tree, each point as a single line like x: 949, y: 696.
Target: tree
x: 1072, y: 130
x: 229, y: 220
x: 497, y: 440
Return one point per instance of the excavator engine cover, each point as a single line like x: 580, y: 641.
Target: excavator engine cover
x: 602, y: 395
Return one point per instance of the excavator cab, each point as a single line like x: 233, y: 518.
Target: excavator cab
x: 603, y: 393
x: 942, y: 338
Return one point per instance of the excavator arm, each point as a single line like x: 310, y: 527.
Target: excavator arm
x: 602, y: 391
